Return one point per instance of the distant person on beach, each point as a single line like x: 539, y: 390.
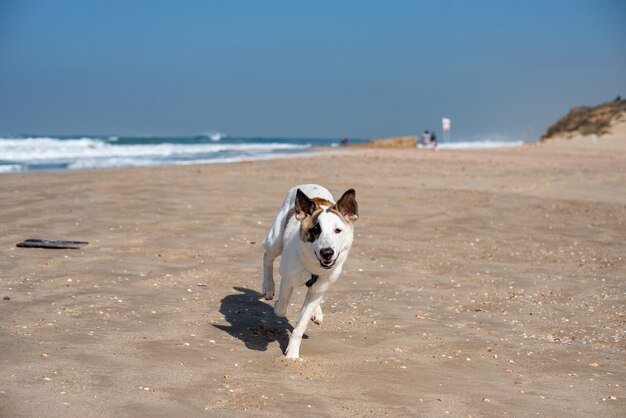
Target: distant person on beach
x: 345, y: 142
x: 426, y: 138
x: 433, y: 140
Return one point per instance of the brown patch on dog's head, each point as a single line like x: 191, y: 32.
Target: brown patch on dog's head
x: 310, y: 229
x: 322, y: 202
x: 346, y: 206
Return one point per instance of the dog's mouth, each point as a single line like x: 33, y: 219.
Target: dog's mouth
x: 328, y: 264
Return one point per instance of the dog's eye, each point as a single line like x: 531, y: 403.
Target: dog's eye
x: 337, y: 231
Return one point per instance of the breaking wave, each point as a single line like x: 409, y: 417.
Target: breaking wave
x: 48, y: 153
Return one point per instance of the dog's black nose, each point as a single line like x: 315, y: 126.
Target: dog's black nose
x: 327, y: 253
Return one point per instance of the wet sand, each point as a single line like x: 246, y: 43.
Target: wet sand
x: 482, y: 283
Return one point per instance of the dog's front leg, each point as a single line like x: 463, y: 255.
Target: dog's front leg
x: 268, y: 274
x: 286, y: 290
x: 311, y: 302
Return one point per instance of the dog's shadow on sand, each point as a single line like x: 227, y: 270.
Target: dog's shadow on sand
x: 253, y: 321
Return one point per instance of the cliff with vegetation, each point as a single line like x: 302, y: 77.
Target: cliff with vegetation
x: 584, y: 120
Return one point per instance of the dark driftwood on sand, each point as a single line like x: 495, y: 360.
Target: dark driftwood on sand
x: 54, y: 244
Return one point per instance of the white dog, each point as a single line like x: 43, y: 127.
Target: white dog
x: 313, y: 236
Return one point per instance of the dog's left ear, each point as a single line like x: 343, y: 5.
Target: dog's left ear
x: 347, y: 205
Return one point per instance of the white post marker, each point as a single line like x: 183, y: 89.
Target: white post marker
x: 446, y: 125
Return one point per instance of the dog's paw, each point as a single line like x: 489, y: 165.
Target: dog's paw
x: 318, y: 316
x: 293, y: 349
x: 317, y: 319
x: 293, y: 355
x: 268, y: 289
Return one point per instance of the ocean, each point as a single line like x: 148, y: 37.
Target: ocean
x: 60, y: 153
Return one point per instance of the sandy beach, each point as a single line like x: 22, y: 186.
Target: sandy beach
x: 480, y: 283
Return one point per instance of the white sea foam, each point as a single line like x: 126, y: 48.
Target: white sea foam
x: 41, y: 149
x: 11, y: 168
x: 18, y: 154
x: 216, y: 136
x: 479, y: 144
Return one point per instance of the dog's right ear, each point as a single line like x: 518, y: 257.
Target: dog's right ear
x: 304, y: 206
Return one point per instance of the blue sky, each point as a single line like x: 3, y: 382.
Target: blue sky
x: 498, y: 69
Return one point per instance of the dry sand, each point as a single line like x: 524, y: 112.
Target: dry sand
x: 482, y: 283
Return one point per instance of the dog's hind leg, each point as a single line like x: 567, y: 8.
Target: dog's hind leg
x: 311, y: 302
